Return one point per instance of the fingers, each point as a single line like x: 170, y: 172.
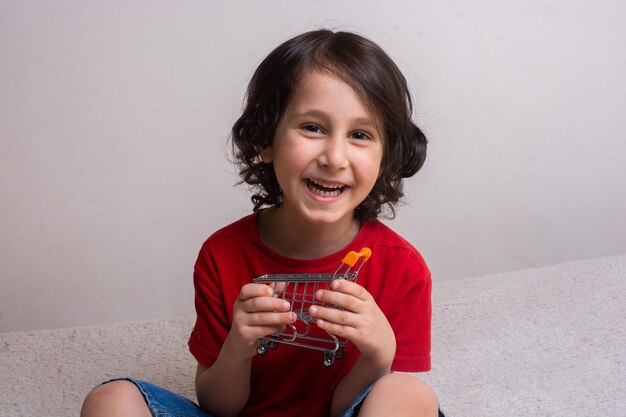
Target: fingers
x: 249, y: 291
x: 255, y: 306
x: 341, y: 323
x: 257, y: 313
x: 348, y: 310
x: 348, y: 295
x: 259, y: 297
x: 265, y: 304
x: 261, y: 290
x: 352, y: 301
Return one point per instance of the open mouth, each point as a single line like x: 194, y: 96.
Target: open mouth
x: 325, y: 189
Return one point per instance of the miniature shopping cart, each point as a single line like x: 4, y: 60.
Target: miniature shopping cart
x: 299, y: 290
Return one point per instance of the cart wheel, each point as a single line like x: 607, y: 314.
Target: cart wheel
x: 261, y: 349
x: 329, y: 358
x: 340, y: 353
x: 272, y: 344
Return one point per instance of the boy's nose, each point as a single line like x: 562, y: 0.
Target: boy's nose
x: 334, y: 155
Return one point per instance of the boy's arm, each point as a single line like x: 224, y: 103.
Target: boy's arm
x: 224, y: 387
x: 363, y: 323
x: 362, y: 374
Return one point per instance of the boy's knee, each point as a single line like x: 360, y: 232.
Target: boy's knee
x: 407, y: 393
x: 116, y: 398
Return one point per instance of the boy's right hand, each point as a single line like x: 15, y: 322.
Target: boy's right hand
x: 256, y: 313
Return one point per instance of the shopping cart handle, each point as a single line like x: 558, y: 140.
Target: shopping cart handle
x: 352, y: 257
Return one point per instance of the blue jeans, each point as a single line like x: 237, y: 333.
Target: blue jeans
x: 164, y: 403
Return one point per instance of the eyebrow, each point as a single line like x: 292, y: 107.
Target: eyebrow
x: 320, y: 113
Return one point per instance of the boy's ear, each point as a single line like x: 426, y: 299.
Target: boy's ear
x: 266, y: 155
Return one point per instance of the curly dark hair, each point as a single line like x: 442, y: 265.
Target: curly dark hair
x: 377, y: 81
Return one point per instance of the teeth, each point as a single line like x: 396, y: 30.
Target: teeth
x: 324, y: 189
x: 327, y: 186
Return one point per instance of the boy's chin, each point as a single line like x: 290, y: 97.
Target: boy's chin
x: 330, y: 219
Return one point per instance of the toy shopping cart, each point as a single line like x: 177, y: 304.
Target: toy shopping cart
x: 299, y: 290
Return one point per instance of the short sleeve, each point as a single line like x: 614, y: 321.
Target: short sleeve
x: 412, y: 325
x: 212, y: 323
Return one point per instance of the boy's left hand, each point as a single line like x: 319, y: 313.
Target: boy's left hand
x: 361, y: 321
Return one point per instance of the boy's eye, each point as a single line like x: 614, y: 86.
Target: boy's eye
x: 312, y: 128
x: 360, y: 135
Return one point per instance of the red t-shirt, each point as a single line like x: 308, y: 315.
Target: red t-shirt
x: 291, y: 380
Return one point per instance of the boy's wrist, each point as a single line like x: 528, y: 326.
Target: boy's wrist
x: 236, y: 350
x: 381, y: 359
x: 375, y: 367
x: 381, y: 356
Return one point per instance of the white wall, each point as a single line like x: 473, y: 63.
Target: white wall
x: 113, y: 119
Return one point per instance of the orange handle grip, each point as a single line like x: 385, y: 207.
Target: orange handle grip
x: 352, y: 257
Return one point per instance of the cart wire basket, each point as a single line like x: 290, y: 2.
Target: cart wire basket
x: 299, y: 290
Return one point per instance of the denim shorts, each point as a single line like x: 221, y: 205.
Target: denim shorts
x: 164, y: 403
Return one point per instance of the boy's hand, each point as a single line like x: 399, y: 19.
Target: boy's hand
x: 361, y: 321
x: 256, y: 314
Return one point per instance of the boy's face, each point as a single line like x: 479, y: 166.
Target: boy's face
x: 327, y: 150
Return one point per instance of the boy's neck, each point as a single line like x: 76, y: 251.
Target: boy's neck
x: 302, y: 240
